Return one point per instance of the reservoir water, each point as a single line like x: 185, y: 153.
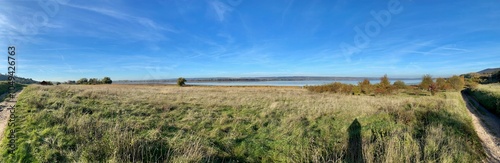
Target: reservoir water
x: 291, y: 83
x: 274, y: 83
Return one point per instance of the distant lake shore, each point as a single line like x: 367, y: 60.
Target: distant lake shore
x: 267, y: 83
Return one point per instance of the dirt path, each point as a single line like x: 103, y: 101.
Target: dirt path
x: 5, y: 113
x: 487, y: 127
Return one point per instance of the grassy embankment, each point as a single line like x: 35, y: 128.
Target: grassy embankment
x: 489, y: 96
x: 139, y: 123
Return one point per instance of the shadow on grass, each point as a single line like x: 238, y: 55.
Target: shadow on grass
x: 355, y: 148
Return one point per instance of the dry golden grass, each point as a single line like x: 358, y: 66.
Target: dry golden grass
x: 491, y: 87
x: 144, y: 123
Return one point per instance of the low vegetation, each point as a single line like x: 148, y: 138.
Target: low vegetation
x: 142, y: 123
x: 488, y: 95
x: 181, y: 81
x: 91, y: 81
x: 484, y: 77
x: 384, y: 87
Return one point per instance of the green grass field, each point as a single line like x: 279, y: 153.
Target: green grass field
x: 489, y: 96
x: 147, y: 123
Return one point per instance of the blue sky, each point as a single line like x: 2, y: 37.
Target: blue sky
x: 63, y: 40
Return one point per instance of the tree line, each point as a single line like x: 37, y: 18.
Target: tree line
x: 472, y: 79
x: 91, y: 81
x: 384, y: 87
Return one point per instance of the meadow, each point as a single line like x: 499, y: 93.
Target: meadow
x: 488, y: 95
x: 159, y: 123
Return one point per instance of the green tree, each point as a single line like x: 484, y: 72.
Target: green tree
x: 106, y: 80
x: 399, y: 84
x: 82, y: 81
x: 457, y: 82
x: 181, y: 81
x: 441, y: 84
x: 384, y: 81
x: 384, y: 86
x: 365, y: 86
x: 426, y: 82
x: 93, y: 81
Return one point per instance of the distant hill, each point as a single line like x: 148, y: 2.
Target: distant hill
x: 489, y: 71
x: 19, y: 80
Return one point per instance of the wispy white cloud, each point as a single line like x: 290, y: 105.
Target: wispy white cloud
x: 228, y: 37
x: 6, y: 23
x: 147, y: 29
x: 285, y: 12
x: 442, y: 50
x: 220, y: 9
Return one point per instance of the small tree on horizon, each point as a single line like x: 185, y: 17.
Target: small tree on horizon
x: 384, y: 81
x: 399, y: 84
x: 384, y: 87
x: 93, y: 81
x: 181, y: 81
x: 106, y: 80
x: 457, y: 82
x: 426, y: 82
x: 82, y: 81
x: 441, y: 84
x: 365, y: 86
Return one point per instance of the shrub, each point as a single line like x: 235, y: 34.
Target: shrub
x: 82, y: 81
x: 441, y: 84
x: 356, y: 90
x: 426, y: 82
x: 456, y: 82
x: 384, y: 81
x: 106, y: 80
x: 399, y: 84
x: 384, y: 87
x: 335, y: 87
x: 181, y: 81
x: 365, y: 86
x: 94, y: 81
x: 471, y: 84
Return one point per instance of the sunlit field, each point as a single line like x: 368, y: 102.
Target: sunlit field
x: 157, y: 123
